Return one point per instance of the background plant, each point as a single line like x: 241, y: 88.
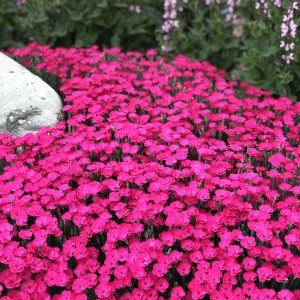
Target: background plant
x: 80, y: 23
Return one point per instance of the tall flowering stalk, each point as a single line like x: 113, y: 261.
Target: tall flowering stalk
x: 170, y: 21
x: 289, y: 32
x: 172, y: 8
x: 20, y: 2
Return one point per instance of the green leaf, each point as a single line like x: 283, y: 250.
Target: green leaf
x: 286, y: 78
x: 270, y: 51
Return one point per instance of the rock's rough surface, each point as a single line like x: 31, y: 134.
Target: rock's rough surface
x: 26, y: 101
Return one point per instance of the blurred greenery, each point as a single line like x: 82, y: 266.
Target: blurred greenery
x: 247, y: 49
x: 79, y: 23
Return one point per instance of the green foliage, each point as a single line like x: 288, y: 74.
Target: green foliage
x: 80, y: 23
x: 7, y: 25
x: 261, y: 55
x: 203, y: 34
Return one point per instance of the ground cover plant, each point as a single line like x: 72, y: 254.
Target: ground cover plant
x: 164, y: 181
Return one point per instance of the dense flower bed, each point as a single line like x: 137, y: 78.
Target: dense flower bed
x: 164, y: 182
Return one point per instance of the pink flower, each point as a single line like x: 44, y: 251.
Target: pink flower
x: 249, y: 263
x: 121, y: 271
x: 79, y: 285
x: 10, y: 280
x: 29, y: 286
x: 196, y: 256
x: 25, y: 234
x: 177, y: 293
x: 280, y: 275
x: 203, y: 194
x: 249, y: 288
x: 264, y: 274
x: 151, y: 52
x: 183, y: 268
x: 91, y: 188
x: 235, y: 250
x: 249, y: 276
x: 248, y: 242
x: 167, y: 238
x: 159, y: 270
x: 146, y: 283
x: 16, y: 265
x: 103, y: 291
x: 161, y: 284
x: 51, y: 278
x: 285, y: 295
x: 277, y: 160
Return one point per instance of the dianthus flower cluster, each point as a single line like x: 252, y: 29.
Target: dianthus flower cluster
x: 164, y: 181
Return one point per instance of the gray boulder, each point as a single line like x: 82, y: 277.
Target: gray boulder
x: 26, y: 101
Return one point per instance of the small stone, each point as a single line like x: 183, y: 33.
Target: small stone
x: 27, y: 102
x: 21, y: 121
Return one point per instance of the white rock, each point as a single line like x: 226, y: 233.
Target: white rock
x: 26, y: 101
